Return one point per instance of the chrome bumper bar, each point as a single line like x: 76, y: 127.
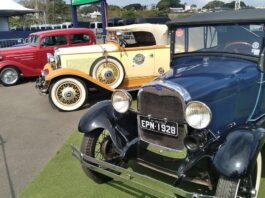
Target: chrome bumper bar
x: 132, y: 178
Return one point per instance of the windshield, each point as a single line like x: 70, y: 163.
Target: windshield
x: 34, y: 40
x: 239, y: 39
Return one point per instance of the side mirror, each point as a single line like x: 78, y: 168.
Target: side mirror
x: 261, y: 63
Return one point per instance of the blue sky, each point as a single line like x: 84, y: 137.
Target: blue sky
x: 197, y: 2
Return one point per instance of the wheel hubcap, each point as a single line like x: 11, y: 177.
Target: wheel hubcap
x: 68, y: 93
x: 9, y: 77
x: 108, y: 73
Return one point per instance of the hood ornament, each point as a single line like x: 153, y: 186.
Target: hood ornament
x: 161, y: 72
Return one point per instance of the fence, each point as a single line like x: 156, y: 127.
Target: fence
x: 12, y: 42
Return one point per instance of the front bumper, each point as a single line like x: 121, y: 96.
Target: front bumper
x: 41, y: 84
x: 132, y: 178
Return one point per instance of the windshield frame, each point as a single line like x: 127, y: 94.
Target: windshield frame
x: 36, y: 43
x: 223, y: 53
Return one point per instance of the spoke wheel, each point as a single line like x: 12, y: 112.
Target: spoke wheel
x: 9, y: 76
x: 229, y: 188
x: 68, y: 94
x: 98, y: 144
x: 109, y: 72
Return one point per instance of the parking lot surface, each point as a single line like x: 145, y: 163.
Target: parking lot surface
x: 31, y: 132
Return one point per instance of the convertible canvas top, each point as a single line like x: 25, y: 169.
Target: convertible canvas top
x: 159, y: 31
x: 224, y: 17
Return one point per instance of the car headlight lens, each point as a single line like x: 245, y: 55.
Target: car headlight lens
x: 198, y: 115
x: 121, y: 101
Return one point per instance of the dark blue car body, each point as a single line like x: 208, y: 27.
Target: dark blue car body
x: 223, y: 72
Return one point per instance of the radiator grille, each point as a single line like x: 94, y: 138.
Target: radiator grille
x: 162, y: 102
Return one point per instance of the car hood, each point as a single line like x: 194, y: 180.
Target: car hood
x: 16, y: 50
x: 202, y: 75
x: 227, y: 85
x: 88, y: 49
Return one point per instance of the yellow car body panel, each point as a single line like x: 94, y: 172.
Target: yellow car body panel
x: 72, y: 72
x: 141, y: 61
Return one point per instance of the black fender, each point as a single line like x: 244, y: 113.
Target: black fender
x: 236, y: 157
x: 122, y: 127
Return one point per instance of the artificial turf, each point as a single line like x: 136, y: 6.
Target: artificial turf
x: 63, y: 177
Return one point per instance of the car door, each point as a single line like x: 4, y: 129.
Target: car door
x: 138, y: 61
x: 47, y: 45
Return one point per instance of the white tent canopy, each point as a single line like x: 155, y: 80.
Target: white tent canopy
x: 12, y: 8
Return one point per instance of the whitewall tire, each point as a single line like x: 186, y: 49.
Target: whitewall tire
x: 108, y: 71
x: 68, y: 94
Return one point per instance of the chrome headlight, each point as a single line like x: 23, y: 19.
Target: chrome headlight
x: 198, y: 115
x: 50, y: 59
x: 121, y: 101
x: 44, y: 73
x: 57, y: 57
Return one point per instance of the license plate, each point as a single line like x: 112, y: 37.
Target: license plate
x: 157, y: 125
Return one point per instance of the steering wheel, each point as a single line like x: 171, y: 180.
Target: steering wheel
x: 238, y: 47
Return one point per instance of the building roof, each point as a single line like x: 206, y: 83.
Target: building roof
x: 10, y: 8
x: 160, y: 32
x: 223, y: 17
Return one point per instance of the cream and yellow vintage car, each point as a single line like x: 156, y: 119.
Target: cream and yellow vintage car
x: 132, y: 55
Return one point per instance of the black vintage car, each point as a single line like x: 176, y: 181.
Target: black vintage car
x: 210, y: 105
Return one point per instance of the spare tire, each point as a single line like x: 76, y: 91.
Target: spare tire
x: 108, y: 71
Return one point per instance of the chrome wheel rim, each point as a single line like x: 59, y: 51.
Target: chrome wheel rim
x: 68, y: 93
x: 108, y: 73
x: 9, y: 76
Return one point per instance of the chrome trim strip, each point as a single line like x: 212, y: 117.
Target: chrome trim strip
x: 173, y: 86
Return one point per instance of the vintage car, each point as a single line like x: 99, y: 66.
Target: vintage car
x: 28, y: 60
x: 210, y: 108
x: 133, y: 55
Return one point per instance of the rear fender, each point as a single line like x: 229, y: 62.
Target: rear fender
x: 237, y: 155
x: 24, y: 69
x: 59, y: 73
x: 122, y: 127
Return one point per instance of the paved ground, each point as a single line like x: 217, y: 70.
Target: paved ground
x: 32, y: 133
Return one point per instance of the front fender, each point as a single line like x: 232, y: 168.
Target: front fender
x: 122, y: 127
x: 53, y: 74
x: 236, y: 157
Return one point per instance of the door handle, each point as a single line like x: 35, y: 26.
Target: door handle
x: 151, y: 55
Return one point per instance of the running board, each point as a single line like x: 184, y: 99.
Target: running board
x: 130, y: 177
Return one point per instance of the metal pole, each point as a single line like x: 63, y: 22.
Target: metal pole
x: 74, y: 16
x: 104, y: 19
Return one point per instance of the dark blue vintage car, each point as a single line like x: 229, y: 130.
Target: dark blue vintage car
x: 210, y: 105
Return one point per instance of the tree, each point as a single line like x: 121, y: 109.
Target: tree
x: 164, y: 5
x: 214, y: 4
x: 193, y: 6
x: 57, y: 11
x: 231, y: 5
x: 135, y: 6
x: 88, y: 9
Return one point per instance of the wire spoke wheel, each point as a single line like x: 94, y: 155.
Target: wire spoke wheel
x: 108, y: 71
x: 68, y: 94
x: 98, y: 144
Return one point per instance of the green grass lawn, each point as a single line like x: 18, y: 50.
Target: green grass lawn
x: 63, y: 177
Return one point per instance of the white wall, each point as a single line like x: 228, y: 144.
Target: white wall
x: 4, y: 24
